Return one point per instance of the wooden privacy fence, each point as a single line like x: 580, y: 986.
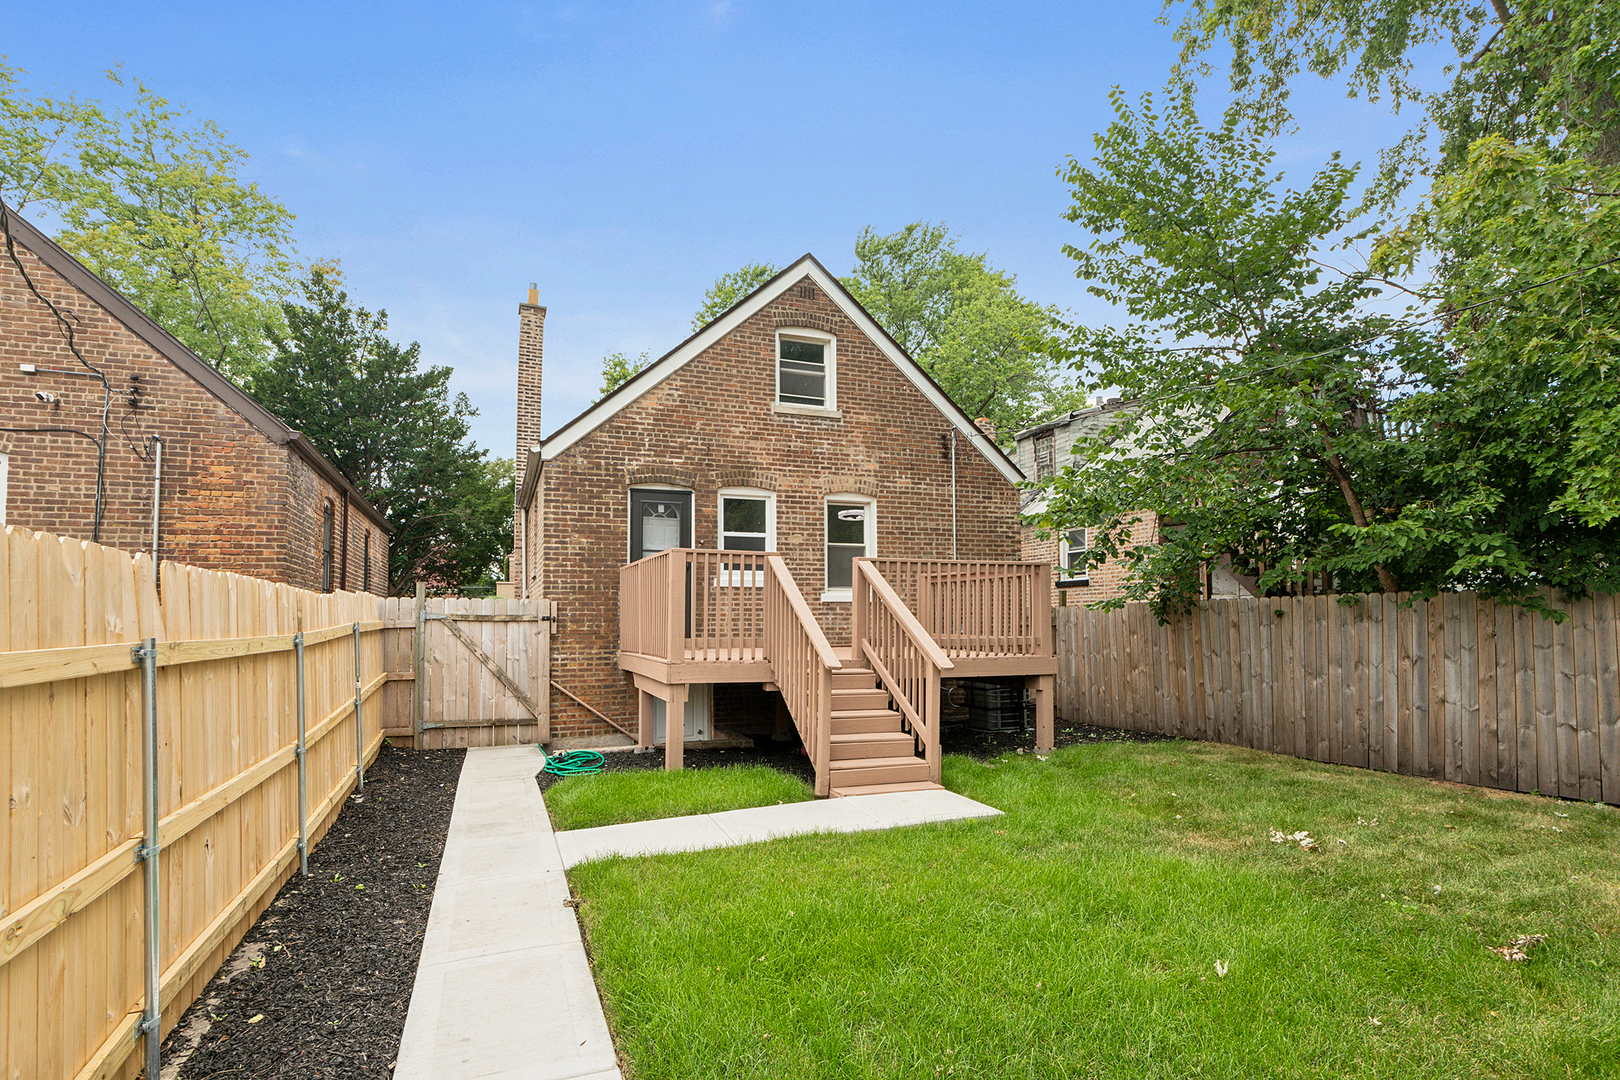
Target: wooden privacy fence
x: 1459, y: 688
x: 483, y: 668
x: 77, y: 689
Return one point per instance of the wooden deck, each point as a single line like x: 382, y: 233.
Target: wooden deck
x: 869, y: 713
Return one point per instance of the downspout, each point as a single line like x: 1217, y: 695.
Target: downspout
x: 953, y: 493
x: 157, y: 492
x: 523, y: 563
x: 343, y: 573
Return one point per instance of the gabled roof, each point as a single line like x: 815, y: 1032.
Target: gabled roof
x: 807, y: 266
x: 169, y: 347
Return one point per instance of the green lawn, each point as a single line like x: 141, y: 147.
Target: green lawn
x: 584, y: 802
x: 1079, y: 935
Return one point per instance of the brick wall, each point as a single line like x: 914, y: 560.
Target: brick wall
x: 1104, y: 582
x: 711, y: 426
x: 231, y: 495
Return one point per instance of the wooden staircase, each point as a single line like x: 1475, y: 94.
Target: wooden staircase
x: 871, y: 753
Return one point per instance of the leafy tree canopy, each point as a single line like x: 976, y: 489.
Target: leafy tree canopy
x: 156, y: 205
x: 965, y: 323
x: 730, y: 288
x: 391, y: 426
x: 1261, y: 443
x: 1476, y: 435
x: 617, y: 369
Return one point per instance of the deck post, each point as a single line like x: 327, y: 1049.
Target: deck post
x: 931, y: 716
x: 857, y: 614
x: 644, y: 731
x: 675, y: 631
x: 1041, y: 687
x: 675, y: 727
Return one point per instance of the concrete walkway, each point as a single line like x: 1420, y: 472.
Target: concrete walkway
x: 504, y: 990
x: 730, y: 828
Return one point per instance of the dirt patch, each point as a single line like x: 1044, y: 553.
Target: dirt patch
x: 961, y: 739
x: 320, y: 985
x: 1211, y: 842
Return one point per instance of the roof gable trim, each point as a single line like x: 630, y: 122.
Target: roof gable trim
x: 807, y: 266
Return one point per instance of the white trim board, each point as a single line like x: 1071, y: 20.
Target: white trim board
x: 807, y: 266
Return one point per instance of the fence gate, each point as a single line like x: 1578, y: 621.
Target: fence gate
x: 483, y: 672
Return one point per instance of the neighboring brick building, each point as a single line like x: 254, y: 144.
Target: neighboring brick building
x: 240, y: 490
x: 1046, y: 450
x: 793, y: 414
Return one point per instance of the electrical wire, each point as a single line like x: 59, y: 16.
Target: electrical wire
x: 106, y: 387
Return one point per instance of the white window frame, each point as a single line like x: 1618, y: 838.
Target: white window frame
x: 1064, y: 581
x: 829, y: 346
x: 744, y: 578
x: 845, y: 596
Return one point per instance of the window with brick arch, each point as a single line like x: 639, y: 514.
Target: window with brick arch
x: 326, y: 548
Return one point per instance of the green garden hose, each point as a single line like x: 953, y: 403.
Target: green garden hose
x: 573, y: 763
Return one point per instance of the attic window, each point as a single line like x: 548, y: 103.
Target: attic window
x: 1044, y: 455
x: 805, y: 370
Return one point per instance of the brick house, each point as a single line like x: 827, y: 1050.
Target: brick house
x: 790, y: 424
x: 231, y: 486
x: 1045, y: 450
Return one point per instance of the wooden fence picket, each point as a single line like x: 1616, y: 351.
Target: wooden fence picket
x: 1461, y: 687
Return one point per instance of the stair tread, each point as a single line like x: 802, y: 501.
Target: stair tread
x: 881, y: 789
x: 876, y: 762
x: 848, y: 713
x: 873, y: 736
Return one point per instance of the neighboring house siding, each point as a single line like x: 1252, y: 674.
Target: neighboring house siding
x: 709, y: 426
x: 232, y: 498
x: 1103, y: 582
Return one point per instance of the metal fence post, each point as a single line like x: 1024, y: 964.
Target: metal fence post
x: 151, y: 1026
x: 359, y: 732
x: 303, y: 790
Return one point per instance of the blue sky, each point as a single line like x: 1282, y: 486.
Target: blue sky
x: 623, y: 156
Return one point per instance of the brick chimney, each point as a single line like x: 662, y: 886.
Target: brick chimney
x: 986, y: 425
x: 531, y: 346
x: 531, y: 342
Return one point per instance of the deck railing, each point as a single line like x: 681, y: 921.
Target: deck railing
x: 903, y: 655
x: 976, y: 607
x: 802, y: 662
x: 683, y: 603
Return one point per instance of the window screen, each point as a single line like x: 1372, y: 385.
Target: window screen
x: 801, y: 372
x: 1073, y: 563
x: 743, y: 524
x: 846, y: 541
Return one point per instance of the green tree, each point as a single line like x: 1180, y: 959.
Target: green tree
x: 1513, y: 408
x: 617, y: 369
x: 1262, y: 443
x: 155, y: 204
x: 730, y: 288
x: 964, y: 323
x: 392, y: 427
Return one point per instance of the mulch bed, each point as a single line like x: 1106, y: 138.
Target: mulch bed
x: 321, y: 984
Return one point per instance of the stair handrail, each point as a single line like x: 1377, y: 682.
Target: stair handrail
x: 907, y: 660
x: 802, y: 663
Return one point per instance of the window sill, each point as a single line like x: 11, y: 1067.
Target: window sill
x: 1073, y: 583
x: 805, y: 410
x: 838, y: 596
